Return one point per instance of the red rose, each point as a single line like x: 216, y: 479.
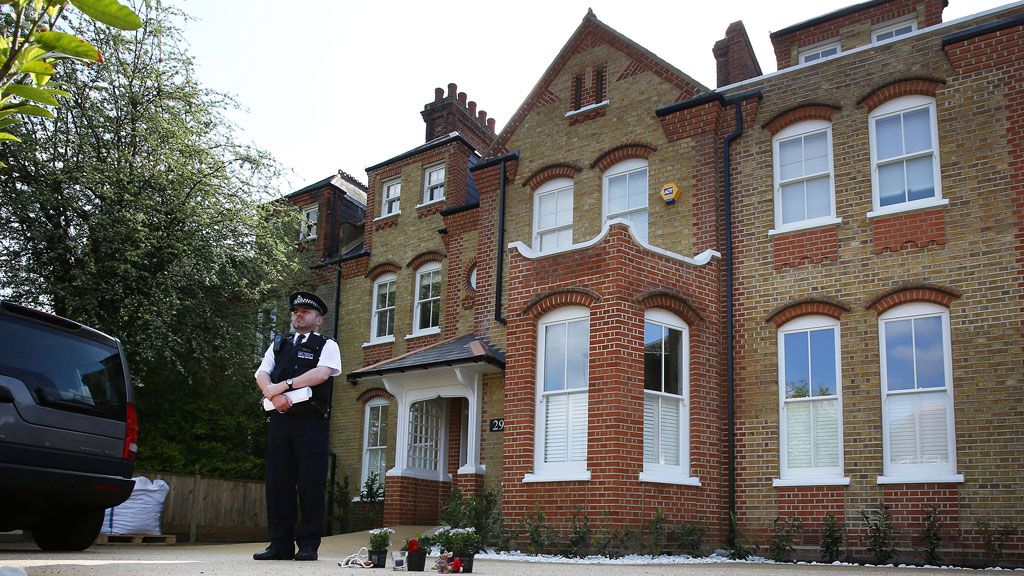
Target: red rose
x: 413, y: 546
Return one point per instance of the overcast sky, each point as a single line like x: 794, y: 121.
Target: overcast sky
x: 330, y: 84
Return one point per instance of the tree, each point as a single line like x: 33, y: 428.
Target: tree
x: 29, y: 48
x: 133, y: 210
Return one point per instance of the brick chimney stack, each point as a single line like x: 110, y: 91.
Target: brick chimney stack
x: 454, y: 112
x: 735, y: 57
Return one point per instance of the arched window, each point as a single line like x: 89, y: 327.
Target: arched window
x: 427, y: 313
x: 552, y: 215
x: 375, y: 438
x: 804, y: 190
x: 382, y: 323
x: 904, y: 154
x: 666, y: 397
x: 625, y: 194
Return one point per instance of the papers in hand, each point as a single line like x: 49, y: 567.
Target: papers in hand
x: 296, y: 395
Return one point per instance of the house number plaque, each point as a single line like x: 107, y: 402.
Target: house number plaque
x: 497, y: 424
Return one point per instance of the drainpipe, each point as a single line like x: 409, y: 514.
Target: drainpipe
x: 737, y: 101
x: 500, y: 267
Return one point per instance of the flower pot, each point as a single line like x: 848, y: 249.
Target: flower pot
x: 379, y: 558
x: 415, y: 561
x: 467, y: 563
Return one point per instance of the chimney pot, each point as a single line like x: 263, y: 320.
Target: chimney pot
x: 472, y: 108
x: 490, y: 124
x: 482, y: 115
x: 452, y: 88
x: 462, y: 98
x: 438, y: 94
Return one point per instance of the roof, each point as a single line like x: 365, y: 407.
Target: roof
x: 826, y: 17
x: 353, y: 189
x: 464, y: 349
x: 435, y: 143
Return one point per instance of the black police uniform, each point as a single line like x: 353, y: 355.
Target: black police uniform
x: 297, y: 450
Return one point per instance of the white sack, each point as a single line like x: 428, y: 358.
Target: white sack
x: 140, y: 513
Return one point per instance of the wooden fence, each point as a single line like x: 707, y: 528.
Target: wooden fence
x: 200, y: 509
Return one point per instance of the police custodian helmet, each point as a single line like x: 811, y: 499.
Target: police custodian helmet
x: 309, y: 300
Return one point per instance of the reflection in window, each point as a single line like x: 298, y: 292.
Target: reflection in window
x: 665, y: 372
x: 904, y: 152
x: 625, y: 191
x: 564, y: 349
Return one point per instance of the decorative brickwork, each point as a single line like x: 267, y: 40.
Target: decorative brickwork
x: 913, y: 292
x: 425, y: 257
x: 898, y: 88
x: 807, y: 307
x: 908, y: 231
x: 792, y: 249
x: 372, y: 393
x: 622, y: 152
x: 381, y: 269
x: 548, y: 301
x: 668, y: 300
x: 800, y: 113
x: 550, y: 173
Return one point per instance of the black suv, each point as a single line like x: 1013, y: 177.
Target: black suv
x: 68, y: 429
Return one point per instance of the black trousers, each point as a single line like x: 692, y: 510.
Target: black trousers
x: 296, y: 477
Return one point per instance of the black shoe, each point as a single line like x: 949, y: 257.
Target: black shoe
x: 306, y: 554
x: 272, y: 553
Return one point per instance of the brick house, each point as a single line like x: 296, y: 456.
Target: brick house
x: 796, y: 294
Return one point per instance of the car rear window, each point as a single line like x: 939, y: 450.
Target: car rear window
x: 63, y: 371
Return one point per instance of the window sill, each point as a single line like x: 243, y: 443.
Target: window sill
x: 908, y: 207
x: 431, y: 203
x: 812, y: 481
x: 588, y: 108
x: 388, y: 340
x: 808, y: 225
x: 581, y: 476
x: 386, y: 216
x: 664, y: 478
x: 428, y: 332
x: 419, y: 473
x: 940, y: 479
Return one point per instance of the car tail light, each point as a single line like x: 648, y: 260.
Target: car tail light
x: 131, y: 434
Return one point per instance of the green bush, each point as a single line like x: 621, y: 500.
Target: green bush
x: 931, y: 535
x: 780, y: 546
x: 578, y: 544
x: 656, y: 532
x: 996, y: 539
x: 691, y: 538
x: 881, y: 534
x: 481, y: 513
x: 831, y: 539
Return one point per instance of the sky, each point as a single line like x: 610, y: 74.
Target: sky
x: 328, y: 85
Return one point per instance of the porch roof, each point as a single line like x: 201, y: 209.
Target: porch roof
x: 459, y: 350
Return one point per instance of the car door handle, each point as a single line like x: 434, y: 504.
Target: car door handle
x: 5, y: 395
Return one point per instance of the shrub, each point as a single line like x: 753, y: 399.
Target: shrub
x: 931, y: 535
x: 656, y: 534
x: 380, y: 539
x: 481, y: 513
x: 996, y: 539
x: 614, y: 543
x: 831, y: 539
x: 780, y: 546
x: 741, y: 548
x: 458, y: 541
x: 537, y: 535
x: 690, y: 538
x: 881, y: 534
x: 578, y: 545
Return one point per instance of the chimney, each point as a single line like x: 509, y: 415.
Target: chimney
x: 734, y: 56
x: 454, y: 112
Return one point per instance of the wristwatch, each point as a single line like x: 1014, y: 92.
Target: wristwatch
x: 289, y: 382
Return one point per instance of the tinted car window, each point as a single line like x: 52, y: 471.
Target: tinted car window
x: 67, y: 373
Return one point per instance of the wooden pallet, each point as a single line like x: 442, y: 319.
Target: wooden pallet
x: 162, y: 540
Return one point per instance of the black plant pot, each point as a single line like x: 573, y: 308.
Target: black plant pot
x: 467, y: 563
x: 379, y: 558
x: 415, y: 561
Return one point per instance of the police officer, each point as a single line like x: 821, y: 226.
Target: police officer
x: 297, y: 440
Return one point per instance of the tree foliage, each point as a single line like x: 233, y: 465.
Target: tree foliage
x: 134, y: 210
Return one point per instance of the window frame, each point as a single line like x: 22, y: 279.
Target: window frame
x: 568, y: 470
x: 803, y: 130
x: 813, y: 475
x: 388, y: 278
x: 892, y: 26
x: 556, y: 187
x: 428, y: 268
x: 304, y: 233
x: 394, y: 201
x: 375, y: 403
x: 625, y: 168
x: 656, y: 471
x: 440, y: 456
x: 428, y: 188
x: 901, y: 473
x: 816, y: 50
x: 900, y: 106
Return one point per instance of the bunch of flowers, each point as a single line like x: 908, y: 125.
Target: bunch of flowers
x: 419, y: 543
x: 458, y: 541
x: 380, y: 539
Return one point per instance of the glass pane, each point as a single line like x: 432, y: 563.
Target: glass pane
x: 792, y: 202
x: 548, y: 241
x: 563, y: 207
x: 826, y: 433
x: 902, y: 429
x: 669, y: 432
x: 554, y: 357
x: 556, y: 428
x: 653, y: 343
x: 917, y: 131
x: 929, y: 353
x: 889, y: 137
x: 638, y: 189
x: 650, y: 428
x: 673, y: 362
x: 376, y: 461
x: 934, y: 431
x: 891, y: 184
x: 823, y: 362
x: 798, y: 434
x: 819, y: 198
x: 791, y: 159
x: 639, y: 220
x: 617, y: 194
x: 546, y: 217
x: 815, y: 153
x: 564, y: 238
x: 899, y: 355
x: 796, y: 377
x: 920, y: 178
x: 578, y: 348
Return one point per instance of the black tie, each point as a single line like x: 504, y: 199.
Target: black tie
x: 299, y: 339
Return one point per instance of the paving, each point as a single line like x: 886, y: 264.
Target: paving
x: 236, y: 560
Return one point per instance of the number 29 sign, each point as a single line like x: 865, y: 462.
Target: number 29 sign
x: 497, y: 424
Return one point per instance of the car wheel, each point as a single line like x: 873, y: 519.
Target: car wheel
x: 70, y: 532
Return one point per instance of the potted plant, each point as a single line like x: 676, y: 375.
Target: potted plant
x: 416, y: 552
x: 380, y: 539
x: 463, y: 543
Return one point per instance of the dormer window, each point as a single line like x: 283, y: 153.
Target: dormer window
x: 893, y: 30
x: 819, y: 52
x: 433, y: 184
x: 310, y: 214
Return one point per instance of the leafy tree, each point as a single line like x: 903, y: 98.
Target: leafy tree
x: 133, y: 210
x: 29, y: 48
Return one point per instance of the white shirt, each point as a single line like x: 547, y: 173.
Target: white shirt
x: 330, y: 356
